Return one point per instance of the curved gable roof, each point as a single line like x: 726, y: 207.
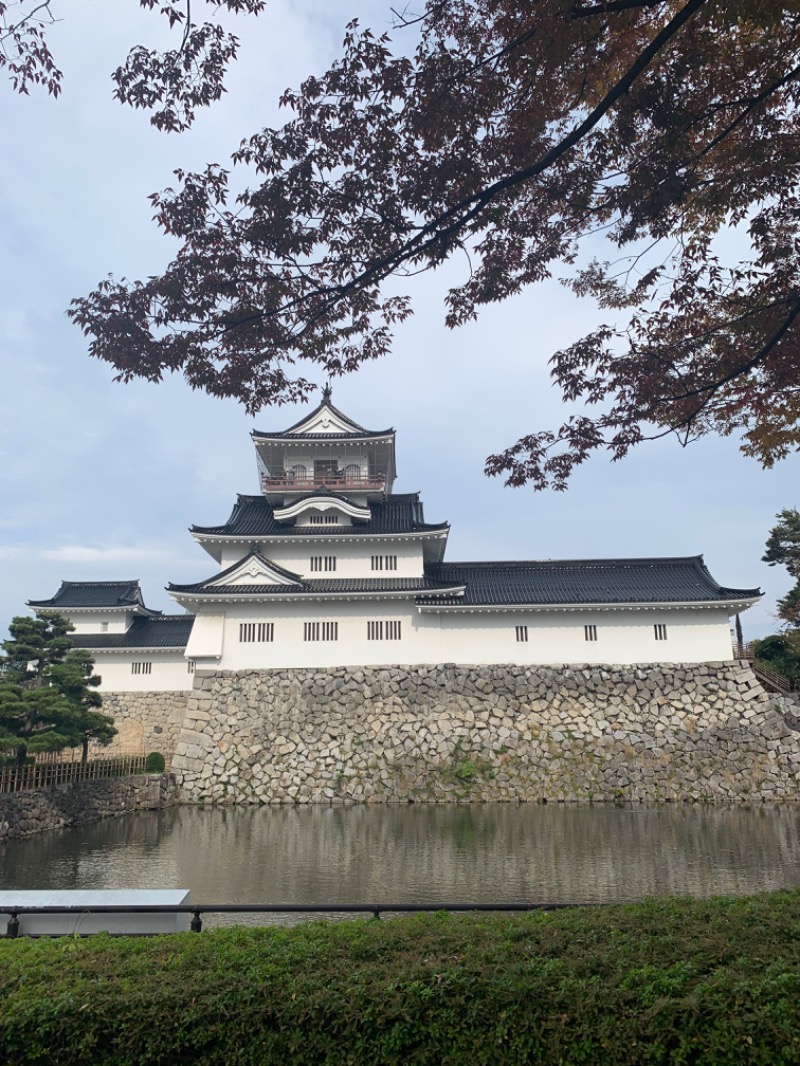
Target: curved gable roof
x: 295, y: 431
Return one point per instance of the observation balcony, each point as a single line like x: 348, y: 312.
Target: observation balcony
x: 338, y: 482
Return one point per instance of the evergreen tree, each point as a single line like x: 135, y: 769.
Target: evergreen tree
x: 48, y: 697
x: 783, y: 548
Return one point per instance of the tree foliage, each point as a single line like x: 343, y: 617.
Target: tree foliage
x: 783, y: 549
x: 510, y: 134
x: 48, y: 697
x: 781, y: 651
x: 171, y: 84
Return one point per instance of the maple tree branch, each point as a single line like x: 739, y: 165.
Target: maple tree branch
x: 792, y: 75
x: 461, y: 214
x: 578, y: 12
x: 751, y: 363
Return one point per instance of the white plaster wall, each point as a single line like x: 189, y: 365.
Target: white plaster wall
x: 623, y: 637
x: 352, y: 559
x: 92, y: 621
x: 169, y: 673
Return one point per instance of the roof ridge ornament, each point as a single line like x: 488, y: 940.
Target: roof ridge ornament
x: 326, y: 392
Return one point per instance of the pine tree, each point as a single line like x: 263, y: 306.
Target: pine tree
x: 783, y: 548
x: 48, y: 697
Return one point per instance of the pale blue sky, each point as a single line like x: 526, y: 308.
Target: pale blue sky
x: 101, y: 481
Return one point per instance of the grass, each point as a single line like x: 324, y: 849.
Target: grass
x: 665, y: 981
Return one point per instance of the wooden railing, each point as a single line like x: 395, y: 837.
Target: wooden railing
x: 769, y: 677
x: 48, y: 774
x: 287, y: 483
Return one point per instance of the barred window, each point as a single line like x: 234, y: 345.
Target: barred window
x: 190, y: 664
x: 141, y: 668
x: 660, y: 631
x: 383, y: 631
x: 384, y: 562
x: 590, y: 632
x: 320, y: 630
x: 522, y: 634
x: 323, y: 562
x: 256, y: 632
x: 323, y: 519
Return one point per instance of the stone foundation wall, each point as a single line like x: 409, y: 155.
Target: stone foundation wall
x: 495, y: 733
x: 36, y: 810
x: 147, y: 721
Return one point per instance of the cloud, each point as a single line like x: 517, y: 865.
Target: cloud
x: 90, y: 555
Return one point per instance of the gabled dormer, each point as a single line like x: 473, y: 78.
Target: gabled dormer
x: 326, y: 450
x: 254, y: 570
x: 325, y: 509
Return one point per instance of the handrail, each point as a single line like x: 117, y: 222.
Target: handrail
x: 763, y: 672
x: 197, y: 910
x: 328, y: 481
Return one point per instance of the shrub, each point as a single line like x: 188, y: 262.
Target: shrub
x: 155, y: 764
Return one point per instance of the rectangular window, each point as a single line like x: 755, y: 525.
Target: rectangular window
x: 323, y: 519
x: 522, y: 634
x: 320, y: 630
x: 384, y: 562
x: 141, y: 668
x: 590, y: 632
x: 256, y: 632
x: 323, y: 562
x: 383, y: 631
x: 104, y: 627
x: 660, y: 631
x: 190, y: 666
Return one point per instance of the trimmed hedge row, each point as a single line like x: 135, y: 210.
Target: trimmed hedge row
x: 672, y: 981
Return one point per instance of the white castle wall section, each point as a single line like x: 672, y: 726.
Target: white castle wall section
x: 624, y: 637
x: 99, y: 621
x: 169, y: 671
x: 353, y: 558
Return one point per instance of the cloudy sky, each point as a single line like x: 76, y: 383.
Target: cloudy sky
x: 100, y: 480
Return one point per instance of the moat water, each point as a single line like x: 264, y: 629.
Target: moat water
x: 485, y: 853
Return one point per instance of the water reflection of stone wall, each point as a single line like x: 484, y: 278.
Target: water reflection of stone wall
x: 37, y: 810
x: 497, y: 733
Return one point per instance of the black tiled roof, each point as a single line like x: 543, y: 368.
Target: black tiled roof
x: 252, y: 516
x: 165, y: 631
x: 291, y: 433
x: 680, y: 580
x: 98, y: 594
x: 329, y: 586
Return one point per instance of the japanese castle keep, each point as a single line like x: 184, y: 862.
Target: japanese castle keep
x: 334, y: 655
x: 329, y: 566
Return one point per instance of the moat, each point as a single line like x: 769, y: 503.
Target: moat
x: 426, y: 854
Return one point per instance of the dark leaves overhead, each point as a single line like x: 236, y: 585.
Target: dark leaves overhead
x: 172, y: 84
x: 514, y: 129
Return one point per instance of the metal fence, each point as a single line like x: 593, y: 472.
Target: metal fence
x: 197, y: 911
x: 47, y: 774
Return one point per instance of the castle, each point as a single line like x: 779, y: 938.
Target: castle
x: 328, y: 566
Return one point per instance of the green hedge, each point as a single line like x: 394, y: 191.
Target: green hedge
x: 675, y: 981
x: 155, y: 763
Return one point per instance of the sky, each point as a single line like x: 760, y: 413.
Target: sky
x: 100, y: 481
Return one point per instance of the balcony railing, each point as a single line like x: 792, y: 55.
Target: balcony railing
x: 336, y: 482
